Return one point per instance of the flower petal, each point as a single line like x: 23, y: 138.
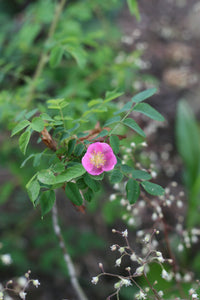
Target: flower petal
x: 111, y: 161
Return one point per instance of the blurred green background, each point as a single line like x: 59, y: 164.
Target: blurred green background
x: 97, y: 46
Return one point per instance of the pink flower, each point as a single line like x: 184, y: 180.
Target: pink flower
x: 99, y: 158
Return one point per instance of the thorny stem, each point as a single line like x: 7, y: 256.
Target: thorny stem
x: 69, y: 264
x: 44, y: 56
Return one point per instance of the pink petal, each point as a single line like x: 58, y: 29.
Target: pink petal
x: 110, y: 161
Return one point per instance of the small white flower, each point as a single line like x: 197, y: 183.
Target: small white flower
x: 125, y: 233
x: 113, y: 248
x: 126, y: 282
x: 22, y: 281
x: 139, y: 270
x: 160, y: 293
x: 195, y: 296
x: 95, y: 279
x: 118, y: 285
x: 6, y: 259
x: 121, y: 250
x: 112, y: 197
x: 118, y: 262
x: 133, y: 144
x: 22, y: 295
x: 36, y: 283
x: 133, y: 257
x: 165, y: 275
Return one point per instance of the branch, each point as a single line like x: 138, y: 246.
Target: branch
x: 44, y: 56
x: 69, y: 264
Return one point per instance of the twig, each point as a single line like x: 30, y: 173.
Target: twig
x: 44, y: 56
x: 69, y: 264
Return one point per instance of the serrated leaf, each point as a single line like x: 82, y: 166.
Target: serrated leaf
x: 78, y: 54
x: 20, y: 126
x: 73, y: 193
x: 47, y: 200
x: 143, y: 95
x: 88, y: 195
x: 149, y: 111
x: 58, y: 168
x: 94, y: 102
x: 114, y: 143
x: 152, y: 188
x: 79, y: 149
x: 116, y: 176
x: 91, y: 183
x: 112, y: 120
x: 126, y: 107
x: 24, y: 140
x: 56, y: 56
x: 140, y: 174
x: 27, y: 159
x: 37, y: 124
x: 126, y: 169
x: 132, y: 190
x: 102, y: 134
x: 31, y: 113
x: 133, y: 125
x: 33, y: 189
x: 70, y: 173
x: 112, y: 95
x: 46, y: 117
x: 71, y: 146
x: 46, y: 177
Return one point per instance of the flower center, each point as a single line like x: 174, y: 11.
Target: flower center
x: 97, y: 159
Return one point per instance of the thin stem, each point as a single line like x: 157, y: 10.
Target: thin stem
x: 152, y: 288
x: 69, y: 264
x: 44, y: 56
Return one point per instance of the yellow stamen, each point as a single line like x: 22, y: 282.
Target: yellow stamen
x: 97, y: 159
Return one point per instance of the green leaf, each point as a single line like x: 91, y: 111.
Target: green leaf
x: 88, y: 195
x: 116, y: 176
x: 140, y: 174
x: 46, y: 117
x: 91, y: 183
x: 112, y: 95
x: 24, y: 140
x: 71, y: 146
x: 98, y: 177
x: 143, y: 95
x: 126, y: 169
x: 79, y: 149
x: 46, y: 177
x: 132, y: 190
x: 78, y: 54
x: 103, y: 133
x: 133, y: 125
x: 19, y: 127
x: 114, y: 143
x: 70, y: 173
x: 73, y: 193
x: 152, y: 188
x: 126, y: 107
x: 33, y: 189
x: 58, y: 168
x: 133, y: 7
x: 149, y: 111
x: 37, y: 124
x: 112, y: 120
x: 47, y: 200
x: 94, y: 102
x: 56, y: 56
x: 27, y: 159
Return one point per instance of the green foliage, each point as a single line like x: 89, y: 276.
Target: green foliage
x: 133, y: 190
x: 188, y: 144
x: 72, y: 192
